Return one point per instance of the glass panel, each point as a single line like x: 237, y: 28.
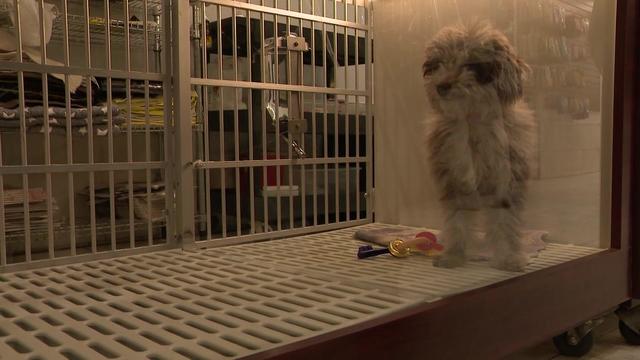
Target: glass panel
x: 471, y: 89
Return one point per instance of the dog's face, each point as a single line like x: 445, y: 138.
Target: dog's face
x: 471, y: 65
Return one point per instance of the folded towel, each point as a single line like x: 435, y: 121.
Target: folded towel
x: 58, y: 112
x: 61, y: 122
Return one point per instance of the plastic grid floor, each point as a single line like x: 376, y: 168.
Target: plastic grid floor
x: 220, y: 303
x: 335, y: 252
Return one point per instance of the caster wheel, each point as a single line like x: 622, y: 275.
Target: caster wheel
x: 631, y: 336
x: 568, y: 345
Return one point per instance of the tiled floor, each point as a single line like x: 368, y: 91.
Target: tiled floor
x: 608, y: 345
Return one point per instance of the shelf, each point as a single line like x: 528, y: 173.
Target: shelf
x: 121, y: 129
x: 102, y: 228
x: 97, y: 26
x: 77, y: 26
x: 552, y: 116
x: 548, y: 89
x: 582, y: 8
x: 586, y: 63
x: 133, y: 4
x: 58, y: 131
x: 229, y: 116
x: 241, y: 24
x: 62, y: 236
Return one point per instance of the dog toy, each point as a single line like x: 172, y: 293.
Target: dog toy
x: 424, y: 243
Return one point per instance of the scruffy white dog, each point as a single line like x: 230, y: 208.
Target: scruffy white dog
x: 480, y: 143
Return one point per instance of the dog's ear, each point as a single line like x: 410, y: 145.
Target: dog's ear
x: 511, y: 74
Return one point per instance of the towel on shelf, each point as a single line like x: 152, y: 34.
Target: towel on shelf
x: 154, y: 114
x: 119, y: 90
x: 33, y: 91
x: 98, y: 130
x: 146, y: 206
x: 30, y: 34
x: 61, y: 122
x: 14, y: 208
x: 57, y: 119
x: 59, y: 112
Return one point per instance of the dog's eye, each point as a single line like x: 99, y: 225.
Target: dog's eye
x: 430, y: 67
x: 484, y: 72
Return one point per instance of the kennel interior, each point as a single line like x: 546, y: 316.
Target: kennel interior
x: 195, y: 186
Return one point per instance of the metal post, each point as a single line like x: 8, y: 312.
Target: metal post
x: 183, y: 155
x: 369, y: 105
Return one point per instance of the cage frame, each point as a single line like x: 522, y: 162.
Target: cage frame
x: 496, y: 321
x: 581, y: 289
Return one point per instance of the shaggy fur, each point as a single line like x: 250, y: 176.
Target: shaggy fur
x: 479, y: 145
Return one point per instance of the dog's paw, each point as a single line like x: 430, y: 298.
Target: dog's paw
x: 449, y: 261
x: 515, y: 262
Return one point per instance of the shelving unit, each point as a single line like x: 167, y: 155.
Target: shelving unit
x: 111, y: 155
x: 564, y: 87
x: 256, y: 25
x: 77, y: 25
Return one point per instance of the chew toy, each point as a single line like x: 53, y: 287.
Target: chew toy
x: 424, y: 243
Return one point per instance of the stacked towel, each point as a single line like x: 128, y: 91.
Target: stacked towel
x: 57, y: 118
x: 15, y: 203
x: 155, y: 113
x: 33, y: 92
x: 145, y: 207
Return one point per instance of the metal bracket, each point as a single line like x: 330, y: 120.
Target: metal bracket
x: 195, y: 28
x: 297, y: 43
x: 371, y: 197
x: 629, y: 315
x: 198, y: 164
x: 297, y: 126
x: 575, y: 335
x: 291, y: 42
x: 289, y: 114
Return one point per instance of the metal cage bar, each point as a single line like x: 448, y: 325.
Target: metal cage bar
x: 184, y: 154
x: 69, y: 139
x: 292, y: 194
x: 369, y: 106
x: 3, y: 235
x: 290, y: 80
x: 58, y: 161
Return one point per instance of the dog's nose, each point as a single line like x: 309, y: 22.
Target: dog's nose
x: 443, y: 89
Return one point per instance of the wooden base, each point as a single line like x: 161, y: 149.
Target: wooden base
x: 487, y: 323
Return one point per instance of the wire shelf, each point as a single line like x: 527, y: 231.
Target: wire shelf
x: 97, y: 25
x: 155, y: 5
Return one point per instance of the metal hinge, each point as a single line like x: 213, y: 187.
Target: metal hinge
x: 291, y: 42
x: 371, y: 198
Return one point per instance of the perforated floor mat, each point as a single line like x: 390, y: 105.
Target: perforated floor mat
x: 220, y: 303
x: 334, y: 252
